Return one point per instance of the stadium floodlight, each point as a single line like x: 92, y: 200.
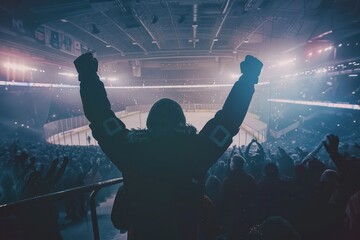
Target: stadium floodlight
x: 52, y: 85
x: 19, y: 67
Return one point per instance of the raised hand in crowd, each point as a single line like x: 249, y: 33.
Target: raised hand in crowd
x: 331, y: 144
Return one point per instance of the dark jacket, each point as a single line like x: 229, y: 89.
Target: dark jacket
x: 164, y: 170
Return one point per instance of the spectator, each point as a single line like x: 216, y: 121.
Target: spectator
x: 212, y: 189
x: 274, y: 195
x: 238, y: 197
x: 164, y: 167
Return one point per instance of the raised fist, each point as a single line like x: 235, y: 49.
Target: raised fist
x: 331, y: 144
x: 86, y: 64
x: 251, y: 66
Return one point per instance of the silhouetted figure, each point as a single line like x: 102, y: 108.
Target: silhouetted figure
x: 39, y: 220
x: 256, y: 161
x: 285, y: 163
x: 238, y: 197
x: 274, y: 193
x: 165, y: 165
x: 212, y: 186
x: 353, y: 216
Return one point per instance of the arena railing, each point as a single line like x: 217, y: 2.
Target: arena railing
x: 8, y: 209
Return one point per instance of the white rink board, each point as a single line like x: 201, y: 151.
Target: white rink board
x: 138, y: 121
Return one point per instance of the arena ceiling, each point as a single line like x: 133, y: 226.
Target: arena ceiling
x: 158, y: 31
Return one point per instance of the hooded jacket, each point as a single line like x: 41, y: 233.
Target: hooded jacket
x: 164, y: 169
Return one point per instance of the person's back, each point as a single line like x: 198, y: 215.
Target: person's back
x: 164, y: 166
x: 274, y: 196
x: 238, y: 197
x: 238, y: 188
x: 164, y: 181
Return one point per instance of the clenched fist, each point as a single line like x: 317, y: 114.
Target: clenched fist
x: 251, y: 67
x: 86, y: 65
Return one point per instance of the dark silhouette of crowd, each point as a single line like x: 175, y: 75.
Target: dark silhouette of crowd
x: 311, y: 197
x: 251, y: 190
x: 30, y: 169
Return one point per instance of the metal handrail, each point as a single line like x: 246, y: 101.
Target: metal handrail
x: 7, y: 209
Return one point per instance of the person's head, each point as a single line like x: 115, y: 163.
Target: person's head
x: 329, y: 177
x: 237, y: 163
x: 165, y: 114
x: 315, y: 168
x: 271, y: 170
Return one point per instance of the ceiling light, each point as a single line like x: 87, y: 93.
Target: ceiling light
x: 63, y: 20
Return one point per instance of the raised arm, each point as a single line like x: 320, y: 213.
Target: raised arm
x: 247, y: 150
x: 331, y: 144
x: 261, y: 150
x: 313, y: 153
x: 106, y: 128
x: 227, y: 121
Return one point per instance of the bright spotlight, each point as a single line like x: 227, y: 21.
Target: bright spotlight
x: 286, y: 62
x: 19, y: 67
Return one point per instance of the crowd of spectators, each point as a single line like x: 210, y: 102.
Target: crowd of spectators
x: 273, y: 190
x: 288, y: 192
x: 30, y: 169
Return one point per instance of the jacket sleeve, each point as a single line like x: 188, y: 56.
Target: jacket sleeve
x: 107, y: 129
x: 218, y: 132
